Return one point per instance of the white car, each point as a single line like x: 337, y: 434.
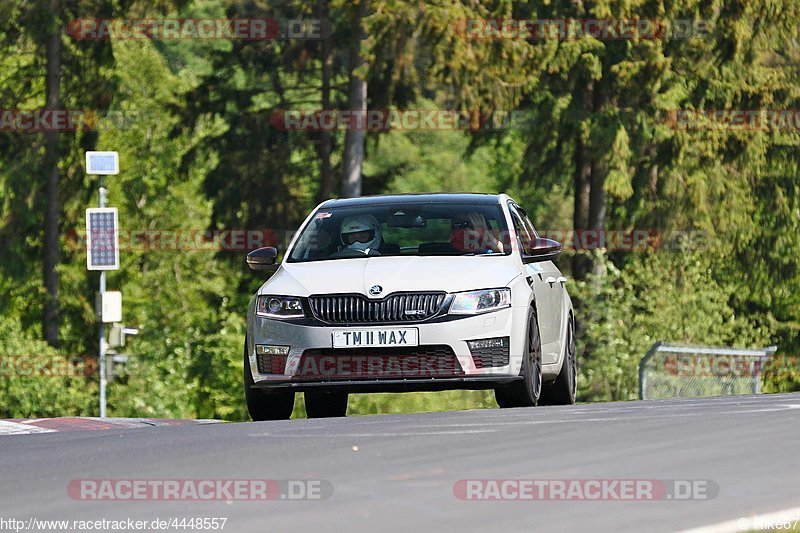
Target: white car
x: 409, y: 293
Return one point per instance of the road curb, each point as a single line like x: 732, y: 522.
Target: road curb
x: 19, y: 426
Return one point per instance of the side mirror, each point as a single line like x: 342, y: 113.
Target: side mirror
x: 542, y: 250
x: 263, y: 259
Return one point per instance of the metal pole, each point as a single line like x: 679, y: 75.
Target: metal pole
x: 769, y: 351
x: 642, y: 373
x: 102, y: 336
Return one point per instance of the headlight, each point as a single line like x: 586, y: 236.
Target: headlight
x: 279, y: 306
x: 475, y: 302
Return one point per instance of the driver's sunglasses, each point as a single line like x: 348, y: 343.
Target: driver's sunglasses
x: 462, y: 225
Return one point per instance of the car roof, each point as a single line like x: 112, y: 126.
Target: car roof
x: 443, y: 198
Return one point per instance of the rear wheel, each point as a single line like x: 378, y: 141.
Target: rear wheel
x: 264, y: 405
x: 325, y: 404
x: 525, y: 392
x: 562, y: 390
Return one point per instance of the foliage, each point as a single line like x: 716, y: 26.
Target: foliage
x: 672, y: 297
x: 37, y: 381
x: 198, y: 153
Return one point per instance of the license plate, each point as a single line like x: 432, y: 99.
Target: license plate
x: 373, y: 338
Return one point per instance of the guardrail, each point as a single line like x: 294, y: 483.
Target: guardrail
x: 674, y: 371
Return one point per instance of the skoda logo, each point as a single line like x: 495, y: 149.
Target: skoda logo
x: 375, y: 289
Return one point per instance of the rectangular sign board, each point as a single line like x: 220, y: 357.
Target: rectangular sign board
x: 102, y: 163
x: 102, y: 238
x: 109, y: 306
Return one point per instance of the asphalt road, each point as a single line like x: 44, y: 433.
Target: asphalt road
x: 397, y: 472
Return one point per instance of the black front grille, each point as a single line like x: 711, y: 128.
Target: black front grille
x: 410, y: 362
x: 356, y: 308
x: 491, y: 357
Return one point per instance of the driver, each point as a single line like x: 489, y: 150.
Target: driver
x: 360, y: 234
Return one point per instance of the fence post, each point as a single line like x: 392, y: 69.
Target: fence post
x: 769, y: 351
x: 642, y: 377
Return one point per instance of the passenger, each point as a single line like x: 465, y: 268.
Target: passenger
x: 470, y: 233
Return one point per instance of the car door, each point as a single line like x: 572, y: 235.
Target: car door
x: 547, y: 284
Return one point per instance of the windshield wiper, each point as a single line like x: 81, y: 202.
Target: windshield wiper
x: 489, y: 252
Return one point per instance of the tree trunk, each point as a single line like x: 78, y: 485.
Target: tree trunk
x: 597, y: 196
x: 357, y: 105
x: 652, y: 184
x: 581, y: 264
x: 597, y: 209
x: 50, y: 253
x: 326, y: 140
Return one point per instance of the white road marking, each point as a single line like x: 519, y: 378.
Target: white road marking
x: 15, y: 428
x: 379, y: 434
x: 493, y: 418
x: 778, y: 407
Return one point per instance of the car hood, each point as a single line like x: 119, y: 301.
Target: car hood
x: 393, y: 274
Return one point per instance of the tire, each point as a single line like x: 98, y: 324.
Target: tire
x: 525, y: 392
x: 563, y: 390
x: 265, y: 405
x: 325, y: 404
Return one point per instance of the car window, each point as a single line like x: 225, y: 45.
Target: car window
x: 428, y: 229
x: 525, y: 232
x: 528, y: 224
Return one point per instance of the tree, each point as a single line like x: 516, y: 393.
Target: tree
x: 356, y: 105
x: 326, y: 178
x: 50, y: 250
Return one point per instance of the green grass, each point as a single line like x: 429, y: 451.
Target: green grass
x: 409, y: 402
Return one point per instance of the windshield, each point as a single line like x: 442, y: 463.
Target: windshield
x: 410, y: 229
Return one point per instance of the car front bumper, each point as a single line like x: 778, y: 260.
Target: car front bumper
x: 450, y: 332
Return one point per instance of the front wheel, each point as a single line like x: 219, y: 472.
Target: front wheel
x: 562, y: 391
x: 262, y: 405
x: 526, y: 391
